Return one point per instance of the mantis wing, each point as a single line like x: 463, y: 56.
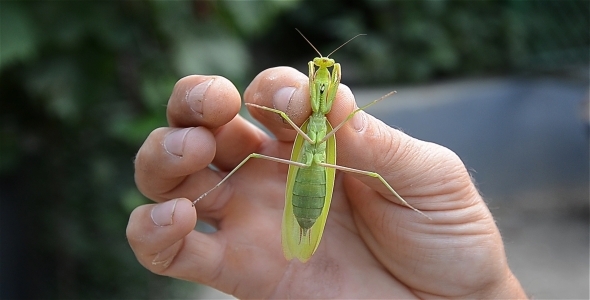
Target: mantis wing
x: 295, y: 242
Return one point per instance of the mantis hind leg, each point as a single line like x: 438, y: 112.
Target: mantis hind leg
x: 253, y: 155
x: 378, y: 176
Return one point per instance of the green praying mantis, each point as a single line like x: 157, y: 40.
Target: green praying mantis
x: 312, y: 167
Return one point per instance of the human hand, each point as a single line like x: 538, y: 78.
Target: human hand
x: 372, y: 247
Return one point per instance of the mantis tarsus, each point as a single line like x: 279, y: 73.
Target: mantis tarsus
x: 312, y: 167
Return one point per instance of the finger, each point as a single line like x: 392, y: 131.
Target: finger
x: 282, y: 88
x: 164, y: 242
x: 236, y: 140
x: 168, y: 156
x: 198, y: 100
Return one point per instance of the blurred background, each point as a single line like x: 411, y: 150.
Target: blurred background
x: 502, y: 83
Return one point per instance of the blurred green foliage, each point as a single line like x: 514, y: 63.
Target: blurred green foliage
x: 82, y: 84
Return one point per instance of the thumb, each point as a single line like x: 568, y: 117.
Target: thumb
x: 417, y: 170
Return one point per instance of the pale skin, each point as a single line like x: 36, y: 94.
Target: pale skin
x: 372, y: 247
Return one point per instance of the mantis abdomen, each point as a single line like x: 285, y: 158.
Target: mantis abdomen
x: 309, y: 194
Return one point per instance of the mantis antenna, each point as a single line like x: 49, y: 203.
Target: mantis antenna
x: 318, y: 52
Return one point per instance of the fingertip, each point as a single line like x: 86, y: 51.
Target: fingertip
x: 155, y: 227
x: 199, y: 100
x: 169, y: 155
x: 179, y: 212
x: 282, y: 88
x: 199, y: 149
x: 163, y: 239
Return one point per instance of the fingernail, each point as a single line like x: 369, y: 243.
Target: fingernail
x: 174, y: 141
x: 196, y: 96
x: 162, y: 213
x: 359, y: 120
x: 282, y: 98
